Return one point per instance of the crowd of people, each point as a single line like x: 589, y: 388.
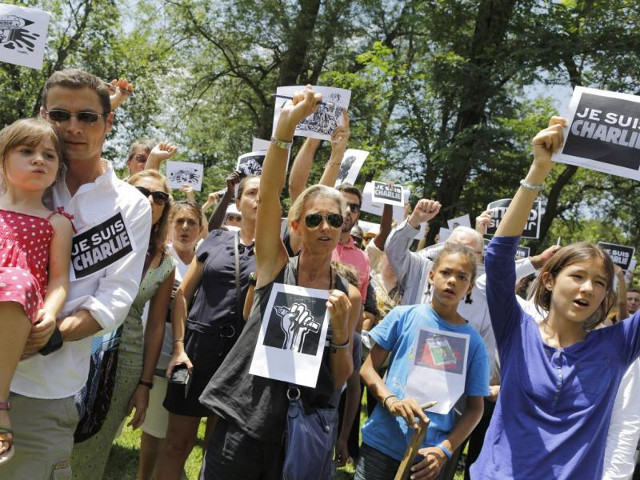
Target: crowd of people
x: 120, y: 305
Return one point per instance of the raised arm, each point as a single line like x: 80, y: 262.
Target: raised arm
x: 385, y: 226
x: 301, y: 167
x: 160, y: 153
x: 217, y: 218
x: 339, y: 140
x: 271, y: 254
x: 544, y: 143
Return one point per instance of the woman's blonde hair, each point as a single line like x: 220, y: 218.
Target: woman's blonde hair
x: 295, y: 212
x: 160, y: 230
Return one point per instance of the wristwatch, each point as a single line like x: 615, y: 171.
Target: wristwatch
x: 252, y: 279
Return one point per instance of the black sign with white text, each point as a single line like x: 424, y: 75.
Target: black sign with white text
x: 499, y: 208
x: 620, y: 254
x: 387, y: 193
x: 100, y: 246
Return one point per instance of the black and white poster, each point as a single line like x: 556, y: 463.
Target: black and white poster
x: 438, y: 368
x: 603, y: 132
x: 292, y: 335
x: 369, y: 206
x: 97, y: 247
x: 181, y: 173
x: 387, y: 193
x: 23, y: 35
x: 325, y: 119
x: 620, y: 254
x: 499, y: 208
x: 251, y: 163
x: 462, y: 221
x: 350, y: 166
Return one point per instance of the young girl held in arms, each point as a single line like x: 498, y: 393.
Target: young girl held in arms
x: 387, y: 433
x: 35, y: 248
x: 559, y: 377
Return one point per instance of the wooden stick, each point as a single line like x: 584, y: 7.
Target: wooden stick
x: 412, y: 450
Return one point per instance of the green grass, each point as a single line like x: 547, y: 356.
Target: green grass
x: 123, y: 459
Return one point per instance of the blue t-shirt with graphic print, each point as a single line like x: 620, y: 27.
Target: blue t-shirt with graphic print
x: 397, y: 333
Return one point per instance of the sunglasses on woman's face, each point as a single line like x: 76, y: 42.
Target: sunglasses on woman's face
x: 313, y: 220
x: 161, y: 198
x: 63, y: 116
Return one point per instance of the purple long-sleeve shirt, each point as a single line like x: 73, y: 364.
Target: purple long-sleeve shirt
x: 553, y: 412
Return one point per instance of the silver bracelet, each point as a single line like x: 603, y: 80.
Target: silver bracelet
x: 281, y: 143
x: 530, y: 186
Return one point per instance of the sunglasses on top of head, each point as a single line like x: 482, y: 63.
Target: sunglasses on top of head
x: 63, y: 116
x: 161, y: 198
x: 313, y: 220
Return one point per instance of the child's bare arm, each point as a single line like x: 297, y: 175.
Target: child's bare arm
x: 59, y: 260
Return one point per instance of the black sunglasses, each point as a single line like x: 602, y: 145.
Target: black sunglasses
x: 313, y: 220
x: 354, y: 207
x: 63, y: 116
x: 161, y: 198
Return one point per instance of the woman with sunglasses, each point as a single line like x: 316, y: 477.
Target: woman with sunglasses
x: 247, y: 441
x: 215, y: 287
x: 138, y: 350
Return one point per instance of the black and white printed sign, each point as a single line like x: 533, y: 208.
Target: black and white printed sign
x: 181, y: 173
x: 350, y: 166
x: 387, y: 193
x: 325, y: 119
x: 369, y: 206
x: 23, y: 35
x: 251, y: 163
x: 603, y: 132
x: 499, y: 208
x: 100, y: 246
x: 620, y: 254
x: 292, y: 335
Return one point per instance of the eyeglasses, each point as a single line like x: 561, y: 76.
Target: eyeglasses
x: 161, y: 198
x: 354, y: 207
x: 313, y: 220
x: 63, y: 116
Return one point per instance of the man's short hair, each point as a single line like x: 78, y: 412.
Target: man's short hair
x: 76, y: 80
x: 633, y: 290
x: 348, y: 188
x: 146, y: 144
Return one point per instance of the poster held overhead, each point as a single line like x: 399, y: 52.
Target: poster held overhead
x: 23, y: 35
x: 621, y: 255
x: 463, y: 221
x: 499, y: 208
x: 251, y: 163
x: 292, y: 335
x: 350, y: 166
x: 179, y: 173
x: 603, y: 132
x: 325, y: 119
x: 388, y: 194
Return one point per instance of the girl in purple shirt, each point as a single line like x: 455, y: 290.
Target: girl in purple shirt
x: 559, y: 377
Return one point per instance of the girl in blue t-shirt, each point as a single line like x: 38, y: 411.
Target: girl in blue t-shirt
x: 559, y: 377
x: 387, y: 433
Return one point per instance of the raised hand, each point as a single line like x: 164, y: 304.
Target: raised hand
x: 121, y: 90
x: 424, y: 211
x: 302, y: 104
x: 547, y: 142
x: 483, y: 221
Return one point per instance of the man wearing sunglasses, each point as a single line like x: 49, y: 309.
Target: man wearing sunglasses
x: 347, y: 251
x: 113, y: 222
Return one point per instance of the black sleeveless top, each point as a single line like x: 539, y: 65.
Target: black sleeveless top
x: 256, y: 404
